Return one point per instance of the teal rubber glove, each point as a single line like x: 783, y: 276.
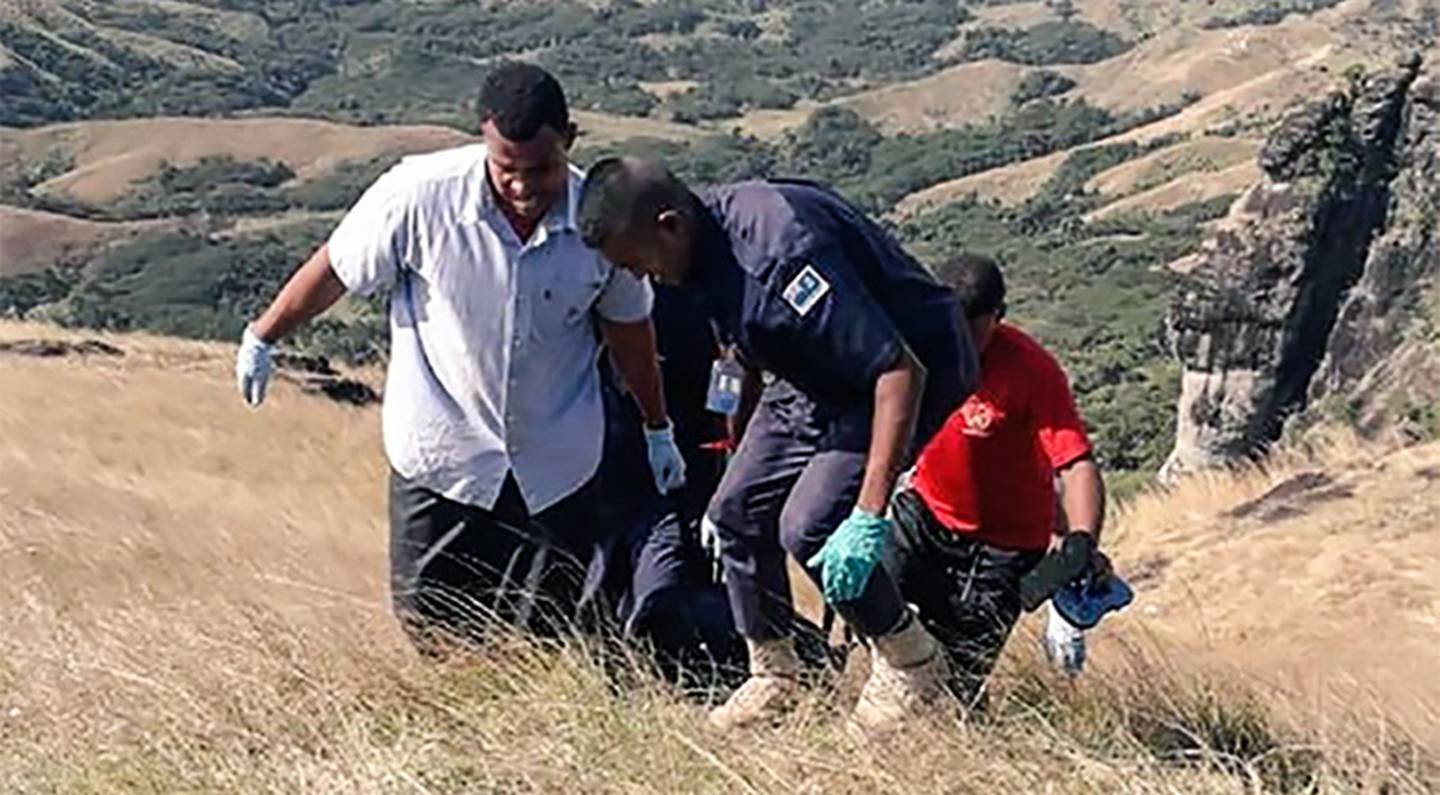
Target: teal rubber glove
x: 850, y: 555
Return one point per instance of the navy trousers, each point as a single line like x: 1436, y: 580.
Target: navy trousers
x: 794, y: 478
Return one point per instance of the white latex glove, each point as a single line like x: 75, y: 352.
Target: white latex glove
x: 666, y: 463
x: 1064, y: 643
x: 709, y: 538
x: 252, y: 367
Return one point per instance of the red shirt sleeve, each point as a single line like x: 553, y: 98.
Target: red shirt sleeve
x: 1058, y: 427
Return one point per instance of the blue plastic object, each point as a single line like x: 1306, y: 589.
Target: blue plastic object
x: 1083, y: 603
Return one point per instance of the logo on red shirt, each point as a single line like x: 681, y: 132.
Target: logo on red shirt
x: 980, y: 416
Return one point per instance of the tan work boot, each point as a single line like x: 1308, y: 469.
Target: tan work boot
x: 769, y: 692
x: 908, y: 670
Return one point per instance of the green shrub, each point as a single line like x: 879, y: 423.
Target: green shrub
x: 1271, y: 12
x: 215, y: 185
x: 341, y: 187
x: 1054, y: 42
x: 1040, y: 84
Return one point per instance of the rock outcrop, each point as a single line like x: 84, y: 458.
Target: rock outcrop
x: 1315, y: 292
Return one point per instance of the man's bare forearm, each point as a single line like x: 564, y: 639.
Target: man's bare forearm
x: 1082, y: 496
x: 634, y: 351
x: 897, y: 402
x: 311, y: 290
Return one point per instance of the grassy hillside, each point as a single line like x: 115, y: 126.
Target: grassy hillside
x: 196, y: 602
x: 1106, y: 133
x: 1089, y: 291
x: 396, y: 61
x: 196, y: 593
x: 392, y: 61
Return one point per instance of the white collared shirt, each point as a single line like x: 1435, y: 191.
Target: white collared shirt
x: 493, y: 352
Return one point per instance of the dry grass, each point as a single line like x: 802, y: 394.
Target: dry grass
x: 1010, y: 185
x: 1203, y: 154
x: 600, y: 128
x: 1161, y: 69
x: 1315, y: 573
x: 109, y: 156
x: 956, y: 96
x: 195, y: 602
x: 1180, y: 191
x: 966, y: 94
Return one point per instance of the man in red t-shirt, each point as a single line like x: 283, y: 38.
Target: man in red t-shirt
x: 979, y: 511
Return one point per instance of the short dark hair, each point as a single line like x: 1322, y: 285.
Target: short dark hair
x: 622, y: 191
x: 521, y: 98
x: 977, y: 282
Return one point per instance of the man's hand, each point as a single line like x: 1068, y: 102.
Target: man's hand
x: 252, y: 367
x: 1100, y: 569
x: 666, y: 463
x: 1058, y: 568
x: 850, y: 555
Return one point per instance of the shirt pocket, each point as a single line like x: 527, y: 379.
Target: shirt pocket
x: 563, y: 306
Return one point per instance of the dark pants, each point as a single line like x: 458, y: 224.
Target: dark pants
x: 967, y: 591
x: 792, y: 481
x: 460, y: 568
x: 597, y: 567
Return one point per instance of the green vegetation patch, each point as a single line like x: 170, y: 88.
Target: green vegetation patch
x: 1271, y: 12
x: 76, y: 72
x: 1096, y: 295
x: 389, y: 61
x: 1056, y: 42
x: 1040, y: 84
x: 216, y: 185
x: 839, y: 146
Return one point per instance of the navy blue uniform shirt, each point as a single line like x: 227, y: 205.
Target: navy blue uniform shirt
x: 812, y: 290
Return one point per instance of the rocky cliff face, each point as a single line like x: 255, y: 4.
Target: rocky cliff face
x: 1316, y: 293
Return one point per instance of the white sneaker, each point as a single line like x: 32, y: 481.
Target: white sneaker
x: 908, y: 670
x: 769, y: 693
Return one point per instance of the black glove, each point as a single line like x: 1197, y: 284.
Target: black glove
x: 1057, y: 569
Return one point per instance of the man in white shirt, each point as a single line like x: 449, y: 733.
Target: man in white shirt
x: 493, y: 420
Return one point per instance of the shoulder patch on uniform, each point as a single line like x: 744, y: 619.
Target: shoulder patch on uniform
x: 806, y: 290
